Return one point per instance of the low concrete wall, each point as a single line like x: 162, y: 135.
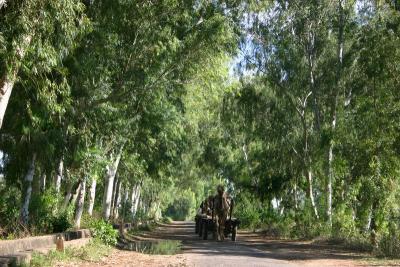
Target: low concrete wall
x: 10, y: 247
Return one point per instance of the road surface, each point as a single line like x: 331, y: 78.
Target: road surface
x: 249, y: 250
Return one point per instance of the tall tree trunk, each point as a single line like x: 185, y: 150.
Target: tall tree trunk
x: 110, y: 175
x: 296, y: 201
x: 2, y: 3
x: 43, y: 182
x: 117, y: 201
x: 114, y: 194
x: 75, y: 194
x: 10, y: 76
x: 308, y: 164
x: 92, y: 196
x: 340, y: 48
x: 133, y: 197
x: 310, y: 191
x: 71, y: 195
x: 80, y: 202
x: 59, y: 175
x: 28, y: 183
x: 311, y: 50
x: 135, y: 200
x: 67, y: 196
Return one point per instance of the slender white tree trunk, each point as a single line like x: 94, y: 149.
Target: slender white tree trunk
x: 59, y: 176
x: 114, y: 196
x: 28, y: 181
x: 133, y: 197
x: 9, y: 78
x: 75, y: 194
x: 43, y: 182
x: 67, y: 197
x: 2, y: 3
x: 79, y: 204
x: 92, y: 196
x: 311, y: 193
x: 340, y: 48
x: 296, y: 205
x: 136, y: 202
x: 126, y: 196
x: 108, y: 191
x: 117, y: 204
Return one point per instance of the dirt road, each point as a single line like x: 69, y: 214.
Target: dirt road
x: 249, y: 250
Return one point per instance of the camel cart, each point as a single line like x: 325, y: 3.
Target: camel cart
x: 206, y: 224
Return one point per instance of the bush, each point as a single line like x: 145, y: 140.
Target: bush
x: 389, y: 244
x: 61, y: 222
x: 45, y: 216
x: 247, y: 211
x: 167, y: 219
x: 104, y: 231
x: 10, y: 213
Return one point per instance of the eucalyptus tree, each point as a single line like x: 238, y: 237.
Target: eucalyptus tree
x: 35, y: 36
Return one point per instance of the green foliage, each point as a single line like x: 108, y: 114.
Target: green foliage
x: 389, y: 243
x: 9, y: 212
x: 104, y: 232
x: 47, y: 218
x: 248, y: 210
x: 167, y: 219
x: 183, y: 206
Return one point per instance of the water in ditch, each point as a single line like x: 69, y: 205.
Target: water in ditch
x: 158, y: 247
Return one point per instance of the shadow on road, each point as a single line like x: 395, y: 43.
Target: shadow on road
x: 250, y: 245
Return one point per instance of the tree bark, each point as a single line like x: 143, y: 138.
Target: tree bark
x: 59, y: 176
x: 117, y: 202
x: 75, y: 194
x: 43, y: 182
x: 3, y: 3
x: 67, y: 196
x: 110, y: 175
x: 340, y: 48
x: 308, y: 164
x: 310, y: 192
x: 114, y: 196
x: 8, y: 80
x: 92, y: 196
x: 79, y: 204
x: 28, y: 181
x: 71, y: 195
x: 135, y: 200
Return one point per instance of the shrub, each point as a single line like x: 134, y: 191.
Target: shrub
x: 61, y: 222
x: 167, y: 219
x: 10, y: 213
x: 389, y: 244
x: 104, y: 231
x: 247, y: 211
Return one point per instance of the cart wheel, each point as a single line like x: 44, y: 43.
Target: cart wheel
x: 234, y: 231
x: 205, y: 231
